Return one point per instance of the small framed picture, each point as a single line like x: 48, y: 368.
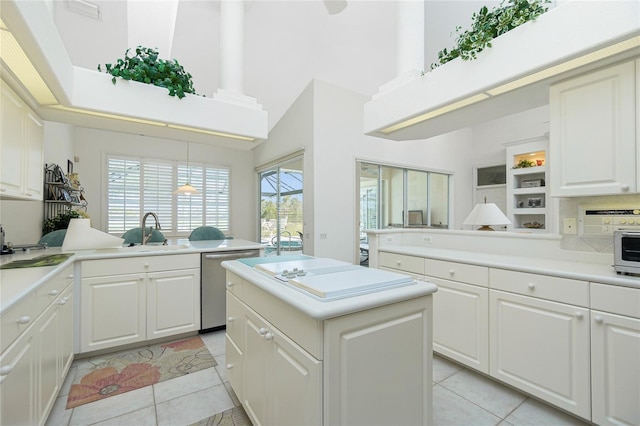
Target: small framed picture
x: 534, y: 202
x: 64, y: 195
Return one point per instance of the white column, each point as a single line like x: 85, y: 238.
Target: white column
x: 232, y: 45
x: 410, y: 36
x: 409, y: 44
x: 231, y: 88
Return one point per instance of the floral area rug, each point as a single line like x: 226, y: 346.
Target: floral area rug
x: 126, y: 371
x: 234, y: 417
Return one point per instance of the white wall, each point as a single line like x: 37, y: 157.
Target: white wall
x: 93, y: 145
x: 22, y: 220
x: 327, y: 121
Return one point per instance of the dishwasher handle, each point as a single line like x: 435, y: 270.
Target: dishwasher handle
x: 234, y: 255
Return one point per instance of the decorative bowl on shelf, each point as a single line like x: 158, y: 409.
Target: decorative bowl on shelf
x: 533, y: 225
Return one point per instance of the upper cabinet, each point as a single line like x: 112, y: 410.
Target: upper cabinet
x: 594, y: 133
x: 21, y: 148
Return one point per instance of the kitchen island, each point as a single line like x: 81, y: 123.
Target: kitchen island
x: 294, y: 357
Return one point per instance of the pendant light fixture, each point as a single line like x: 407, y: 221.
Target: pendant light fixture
x: 187, y: 189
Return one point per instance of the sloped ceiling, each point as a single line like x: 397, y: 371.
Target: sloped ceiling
x: 287, y: 43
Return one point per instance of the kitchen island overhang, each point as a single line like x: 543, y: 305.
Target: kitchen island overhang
x: 296, y: 359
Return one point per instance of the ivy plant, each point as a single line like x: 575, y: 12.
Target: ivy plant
x: 60, y: 221
x: 146, y: 67
x: 489, y: 24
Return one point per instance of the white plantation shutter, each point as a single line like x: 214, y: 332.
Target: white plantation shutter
x: 139, y: 185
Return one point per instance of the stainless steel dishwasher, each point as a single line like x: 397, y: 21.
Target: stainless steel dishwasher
x: 213, y: 306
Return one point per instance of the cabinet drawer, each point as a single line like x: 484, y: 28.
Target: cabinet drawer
x: 136, y: 265
x: 402, y: 262
x: 16, y: 320
x: 235, y: 323
x: 462, y: 272
x: 615, y: 299
x: 299, y: 327
x: 234, y: 284
x: 542, y: 286
x: 233, y: 364
x: 47, y: 292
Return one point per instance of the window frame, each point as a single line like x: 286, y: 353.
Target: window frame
x: 170, y: 228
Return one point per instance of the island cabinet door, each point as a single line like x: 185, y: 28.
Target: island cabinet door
x: 281, y: 381
x: 378, y: 366
x: 615, y: 369
x: 541, y: 347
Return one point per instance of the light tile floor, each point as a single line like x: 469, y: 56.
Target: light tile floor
x: 460, y: 398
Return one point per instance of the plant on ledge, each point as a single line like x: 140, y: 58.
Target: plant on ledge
x: 487, y: 25
x: 146, y: 67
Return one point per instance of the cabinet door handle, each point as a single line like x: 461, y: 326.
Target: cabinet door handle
x: 262, y: 331
x: 151, y: 277
x: 452, y: 271
x: 70, y: 276
x: 6, y: 370
x: 624, y: 187
x: 230, y: 284
x: 63, y: 301
x: 531, y: 286
x: 146, y: 265
x: 598, y: 320
x: 268, y: 336
x: 140, y: 278
x: 53, y: 292
x: 230, y: 319
x: 230, y: 366
x: 24, y: 320
x: 29, y: 194
x: 579, y: 315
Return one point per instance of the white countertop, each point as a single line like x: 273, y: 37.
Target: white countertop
x: 561, y: 268
x: 17, y: 283
x: 319, y: 309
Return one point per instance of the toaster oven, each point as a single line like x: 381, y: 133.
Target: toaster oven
x: 626, y: 251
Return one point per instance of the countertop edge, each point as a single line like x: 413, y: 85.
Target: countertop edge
x: 558, y: 268
x: 48, y: 272
x: 322, y: 310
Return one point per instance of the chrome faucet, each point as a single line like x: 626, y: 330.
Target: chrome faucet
x: 145, y: 236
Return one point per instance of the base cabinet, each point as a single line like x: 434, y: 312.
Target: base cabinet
x: 158, y: 298
x: 280, y: 381
x: 33, y: 368
x: 541, y: 347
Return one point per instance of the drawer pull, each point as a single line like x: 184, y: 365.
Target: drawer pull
x: 70, y: 276
x: 230, y: 319
x: 230, y: 366
x: 598, y: 320
x: 262, y: 331
x: 146, y: 265
x: 24, y: 320
x: 398, y: 262
x: 268, y: 336
x: 63, y: 301
x: 6, y: 370
x: 230, y: 284
x: 151, y: 277
x: 531, y: 286
x: 579, y: 315
x: 53, y: 292
x: 140, y: 278
x: 452, y: 271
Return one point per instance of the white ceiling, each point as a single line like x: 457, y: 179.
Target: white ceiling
x: 287, y: 43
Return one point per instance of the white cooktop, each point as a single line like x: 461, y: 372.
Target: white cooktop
x: 330, y: 279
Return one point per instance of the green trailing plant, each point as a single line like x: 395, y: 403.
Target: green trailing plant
x: 146, y: 67
x: 489, y: 24
x: 60, y: 221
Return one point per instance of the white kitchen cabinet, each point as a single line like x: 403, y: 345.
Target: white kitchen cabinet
x: 18, y: 385
x: 615, y: 355
x: 541, y: 347
x: 21, y: 148
x: 593, y: 133
x: 529, y: 206
x: 460, y: 312
x: 289, y: 369
x: 152, y: 296
x: 33, y: 368
x: 173, y: 302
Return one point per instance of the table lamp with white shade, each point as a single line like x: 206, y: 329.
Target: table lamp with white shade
x: 485, y: 215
